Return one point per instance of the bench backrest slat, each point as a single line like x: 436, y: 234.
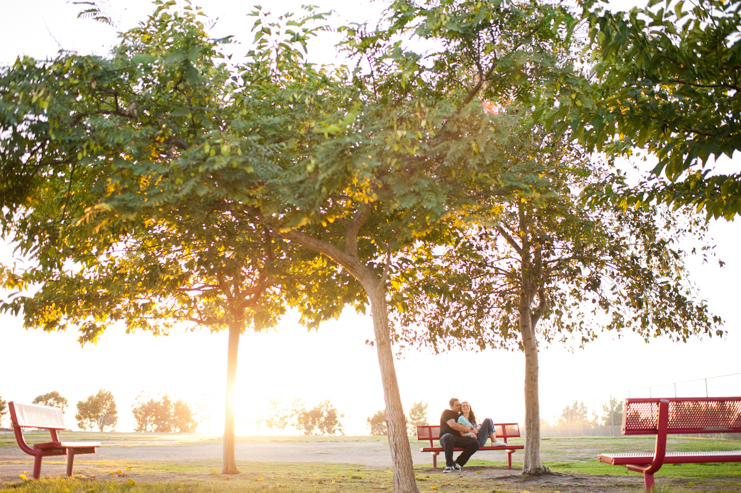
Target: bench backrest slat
x: 686, y: 415
x: 503, y: 430
x: 33, y: 416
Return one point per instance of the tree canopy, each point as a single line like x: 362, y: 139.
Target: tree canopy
x: 53, y: 399
x: 663, y: 78
x: 97, y: 410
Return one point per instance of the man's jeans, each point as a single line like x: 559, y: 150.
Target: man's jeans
x: 487, y: 428
x: 450, y: 441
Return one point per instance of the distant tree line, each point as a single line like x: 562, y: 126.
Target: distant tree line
x: 417, y: 417
x: 576, y: 416
x: 164, y: 415
x: 322, y: 419
x: 99, y: 411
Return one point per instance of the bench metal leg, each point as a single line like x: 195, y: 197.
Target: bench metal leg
x: 70, y: 461
x: 37, y: 466
x: 648, y: 480
x: 434, y: 459
x: 509, y: 458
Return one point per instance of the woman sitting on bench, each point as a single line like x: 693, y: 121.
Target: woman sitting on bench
x: 480, y: 432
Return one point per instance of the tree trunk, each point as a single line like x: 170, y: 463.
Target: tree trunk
x: 401, y: 453
x: 531, y: 463
x: 230, y: 463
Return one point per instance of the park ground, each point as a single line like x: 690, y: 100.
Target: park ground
x: 154, y: 463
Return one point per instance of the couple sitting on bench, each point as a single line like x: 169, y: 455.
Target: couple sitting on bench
x: 458, y: 428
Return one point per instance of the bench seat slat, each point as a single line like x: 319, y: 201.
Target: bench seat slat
x: 50, y: 445
x: 640, y: 458
x: 488, y: 447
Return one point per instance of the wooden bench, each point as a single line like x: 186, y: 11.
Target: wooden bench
x: 502, y: 430
x: 45, y: 418
x: 661, y: 417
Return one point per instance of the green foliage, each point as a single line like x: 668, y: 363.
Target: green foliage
x: 103, y: 135
x: 53, y: 399
x: 163, y: 416
x: 580, y: 269
x: 665, y: 80
x: 377, y: 423
x: 98, y: 409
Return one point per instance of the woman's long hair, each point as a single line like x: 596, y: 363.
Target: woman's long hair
x: 471, y: 417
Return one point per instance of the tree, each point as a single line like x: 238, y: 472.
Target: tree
x: 377, y: 423
x: 163, y: 416
x: 53, y: 399
x: 664, y: 80
x: 612, y: 413
x: 280, y: 415
x: 3, y: 411
x: 183, y: 418
x: 145, y: 411
x: 541, y: 264
x: 97, y: 410
x: 417, y: 417
x: 354, y: 167
x: 82, y: 170
x: 323, y: 418
x: 575, y: 416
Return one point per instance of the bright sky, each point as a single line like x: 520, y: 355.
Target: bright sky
x: 334, y: 363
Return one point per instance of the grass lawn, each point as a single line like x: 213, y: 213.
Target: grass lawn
x: 573, y: 459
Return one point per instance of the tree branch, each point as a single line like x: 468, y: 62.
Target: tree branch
x: 351, y: 236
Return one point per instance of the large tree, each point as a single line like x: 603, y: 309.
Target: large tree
x: 537, y: 264
x: 663, y: 78
x: 85, y: 141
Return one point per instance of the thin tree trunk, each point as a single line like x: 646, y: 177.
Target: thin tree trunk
x: 230, y: 463
x: 401, y: 453
x: 531, y: 463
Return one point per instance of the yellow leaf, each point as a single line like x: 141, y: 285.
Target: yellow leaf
x: 22, y: 476
x: 131, y: 481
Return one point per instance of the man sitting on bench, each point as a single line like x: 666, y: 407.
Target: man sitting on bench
x: 451, y: 436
